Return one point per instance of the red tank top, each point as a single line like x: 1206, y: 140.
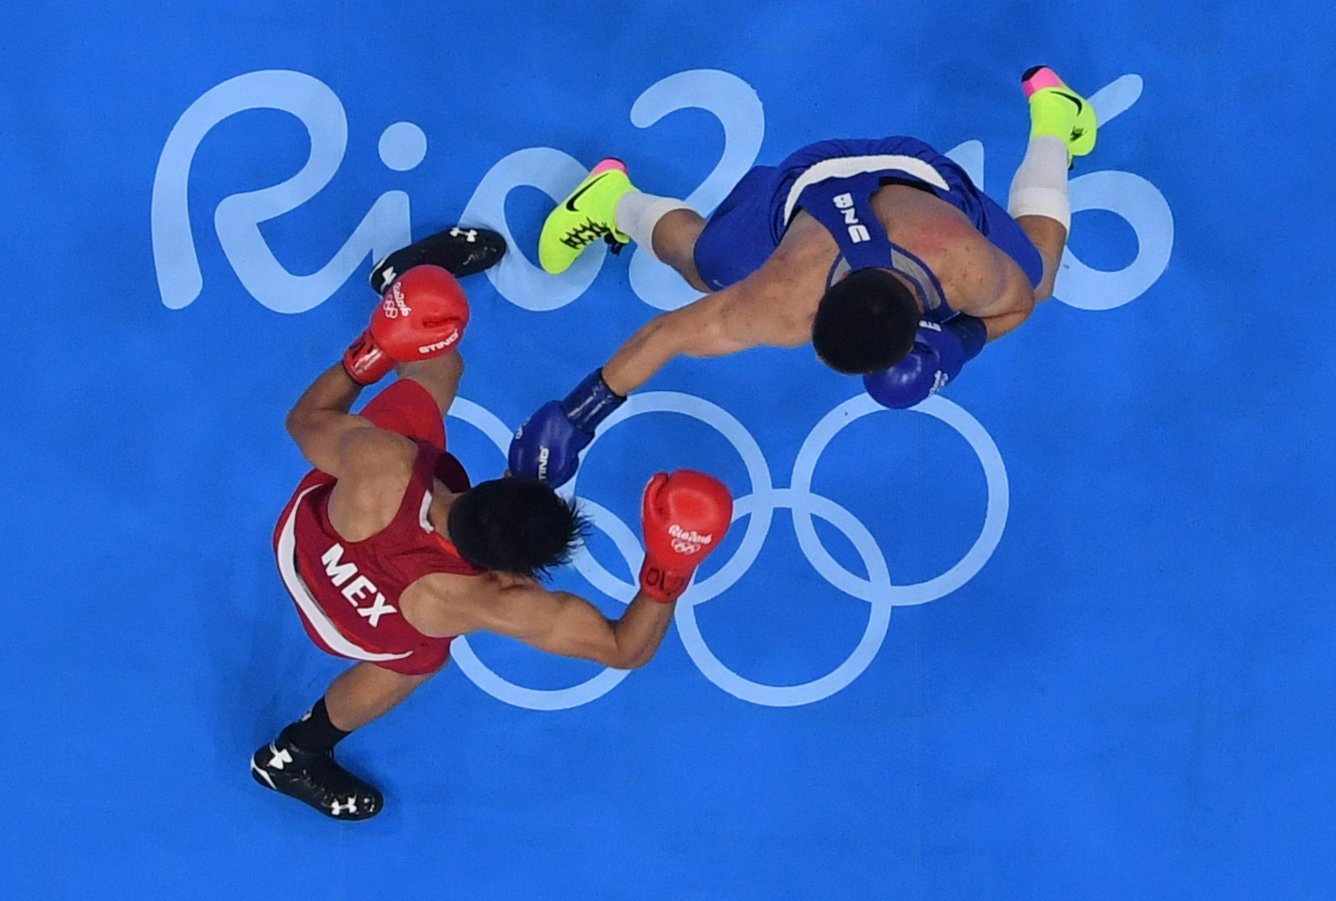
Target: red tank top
x: 358, y: 583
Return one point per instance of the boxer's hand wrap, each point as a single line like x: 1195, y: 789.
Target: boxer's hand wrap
x: 684, y: 516
x: 421, y: 315
x: 548, y: 445
x: 940, y: 351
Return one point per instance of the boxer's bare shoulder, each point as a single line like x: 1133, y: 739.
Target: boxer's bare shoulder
x: 974, y: 274
x: 377, y: 465
x: 778, y: 301
x: 449, y: 604
x: 444, y: 604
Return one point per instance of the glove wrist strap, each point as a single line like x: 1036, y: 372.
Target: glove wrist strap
x: 658, y: 584
x: 364, y: 362
x: 591, y: 402
x: 972, y: 333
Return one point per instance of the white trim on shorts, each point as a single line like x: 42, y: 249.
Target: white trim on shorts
x: 422, y: 513
x: 329, y: 633
x: 847, y: 166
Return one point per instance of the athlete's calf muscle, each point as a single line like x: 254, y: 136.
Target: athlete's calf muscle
x: 674, y: 242
x: 1049, y: 237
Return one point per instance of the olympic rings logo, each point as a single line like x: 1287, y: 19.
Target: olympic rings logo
x: 758, y: 508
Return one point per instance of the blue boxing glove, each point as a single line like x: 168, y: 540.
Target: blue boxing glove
x: 940, y: 351
x: 548, y: 446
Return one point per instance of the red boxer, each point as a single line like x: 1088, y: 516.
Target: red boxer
x: 388, y: 552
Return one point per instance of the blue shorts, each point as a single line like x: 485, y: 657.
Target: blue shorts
x: 749, y: 224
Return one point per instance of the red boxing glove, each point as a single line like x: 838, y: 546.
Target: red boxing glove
x: 421, y: 315
x: 685, y: 516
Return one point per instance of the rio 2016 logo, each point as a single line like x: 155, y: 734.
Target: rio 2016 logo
x: 387, y: 226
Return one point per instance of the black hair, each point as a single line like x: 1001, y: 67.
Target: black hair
x: 866, y: 322
x: 518, y: 526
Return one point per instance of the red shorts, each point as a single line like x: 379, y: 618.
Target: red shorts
x: 408, y: 409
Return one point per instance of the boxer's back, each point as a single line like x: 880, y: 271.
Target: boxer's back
x: 355, y: 554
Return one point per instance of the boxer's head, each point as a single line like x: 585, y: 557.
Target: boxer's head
x: 866, y: 322
x: 518, y: 526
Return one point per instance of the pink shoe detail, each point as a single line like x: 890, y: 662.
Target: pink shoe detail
x: 613, y: 163
x: 1044, y: 77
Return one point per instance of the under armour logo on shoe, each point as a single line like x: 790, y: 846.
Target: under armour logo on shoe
x: 338, y: 809
x: 279, y: 757
x: 467, y: 234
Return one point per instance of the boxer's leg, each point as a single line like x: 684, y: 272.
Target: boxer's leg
x: 668, y: 228
x: 605, y: 205
x: 300, y: 761
x: 458, y: 250
x: 584, y: 216
x: 366, y: 692
x: 1062, y: 125
x: 1049, y: 237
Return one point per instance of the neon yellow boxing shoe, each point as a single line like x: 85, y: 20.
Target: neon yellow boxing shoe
x: 1057, y: 110
x: 589, y: 213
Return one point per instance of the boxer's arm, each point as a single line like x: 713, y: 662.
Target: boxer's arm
x: 700, y: 329
x: 562, y: 623
x: 772, y: 307
x: 1009, y: 301
x: 740, y: 317
x: 942, y: 349
x: 685, y: 516
x: 1013, y: 306
x: 331, y: 438
x: 420, y: 318
x: 320, y: 418
x: 1000, y: 325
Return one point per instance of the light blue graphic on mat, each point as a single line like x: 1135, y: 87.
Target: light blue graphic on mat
x: 1106, y: 546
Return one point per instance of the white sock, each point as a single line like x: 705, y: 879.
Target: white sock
x: 637, y: 214
x: 1040, y: 185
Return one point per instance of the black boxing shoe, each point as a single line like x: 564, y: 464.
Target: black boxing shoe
x: 315, y: 778
x: 458, y: 250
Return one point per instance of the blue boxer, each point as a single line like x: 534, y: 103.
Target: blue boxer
x: 747, y: 227
x: 905, y: 315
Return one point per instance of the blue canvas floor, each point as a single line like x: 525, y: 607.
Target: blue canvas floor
x: 1063, y: 632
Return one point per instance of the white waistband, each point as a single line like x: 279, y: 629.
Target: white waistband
x: 847, y: 166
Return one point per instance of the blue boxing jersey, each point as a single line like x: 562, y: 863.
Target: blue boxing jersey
x: 834, y: 181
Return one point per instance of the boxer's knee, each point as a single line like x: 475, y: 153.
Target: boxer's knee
x: 1049, y: 237
x: 674, y: 242
x: 366, y: 691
